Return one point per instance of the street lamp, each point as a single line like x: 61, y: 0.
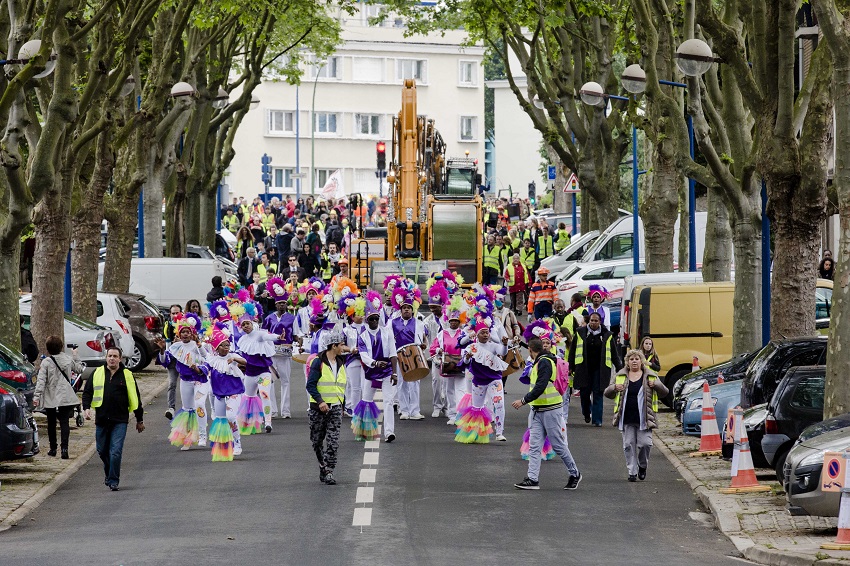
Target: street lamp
x: 128, y: 86
x: 29, y: 50
x: 633, y: 79
x: 592, y: 94
x: 255, y: 101
x: 694, y: 57
x: 221, y: 99
x: 182, y: 89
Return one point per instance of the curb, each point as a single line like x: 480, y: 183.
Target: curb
x: 59, y: 479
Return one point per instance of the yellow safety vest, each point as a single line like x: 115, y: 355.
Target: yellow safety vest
x: 527, y: 258
x: 261, y: 269
x: 231, y: 223
x: 550, y: 395
x: 563, y: 240
x: 268, y: 221
x: 491, y: 257
x: 511, y: 280
x: 327, y: 271
x: 99, y: 378
x: 620, y: 379
x: 545, y: 247
x: 580, y: 350
x: 331, y: 388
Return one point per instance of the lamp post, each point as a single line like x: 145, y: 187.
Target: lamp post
x: 313, y: 136
x: 297, y: 144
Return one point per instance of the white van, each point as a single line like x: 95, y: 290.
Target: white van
x: 633, y: 281
x: 579, y: 244
x: 172, y: 280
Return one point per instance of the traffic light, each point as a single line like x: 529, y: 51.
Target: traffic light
x: 532, y: 193
x: 267, y: 169
x: 382, y: 155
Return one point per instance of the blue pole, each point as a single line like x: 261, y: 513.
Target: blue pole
x: 68, y: 283
x: 692, y: 208
x: 765, y: 268
x: 218, y: 208
x: 575, y: 219
x: 141, y: 230
x: 298, y: 146
x: 635, y: 216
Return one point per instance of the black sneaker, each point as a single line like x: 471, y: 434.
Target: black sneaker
x: 329, y: 479
x: 323, y: 475
x: 573, y: 482
x: 641, y: 474
x: 527, y: 483
x: 586, y: 419
x: 390, y: 438
x: 632, y: 477
x: 268, y: 428
x: 169, y: 413
x: 114, y: 487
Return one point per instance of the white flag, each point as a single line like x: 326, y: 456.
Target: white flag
x: 334, y: 188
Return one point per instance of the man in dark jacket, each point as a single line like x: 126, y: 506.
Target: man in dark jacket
x: 113, y: 393
x: 247, y: 267
x: 593, y: 353
x: 284, y: 243
x: 217, y: 291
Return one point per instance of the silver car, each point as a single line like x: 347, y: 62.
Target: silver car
x: 571, y: 254
x: 803, y: 468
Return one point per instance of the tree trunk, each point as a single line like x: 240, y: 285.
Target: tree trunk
x: 52, y: 237
x: 193, y: 217
x: 589, y: 220
x: 682, y: 244
x: 176, y: 238
x: 152, y: 208
x: 717, y: 256
x: 10, y: 257
x: 747, y: 302
x: 658, y: 211
x: 208, y: 212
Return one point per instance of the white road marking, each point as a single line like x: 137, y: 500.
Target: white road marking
x: 368, y: 475
x: 365, y: 495
x: 370, y: 458
x: 372, y: 444
x: 362, y: 517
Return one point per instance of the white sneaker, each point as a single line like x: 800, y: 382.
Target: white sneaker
x: 450, y: 421
x: 416, y: 417
x: 435, y: 414
x: 501, y: 438
x: 184, y: 448
x: 286, y: 416
x: 202, y: 442
x: 237, y: 448
x: 404, y: 417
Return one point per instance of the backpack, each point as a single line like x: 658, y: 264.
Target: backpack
x: 562, y: 381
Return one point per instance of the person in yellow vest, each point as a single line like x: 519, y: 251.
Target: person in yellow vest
x: 517, y: 280
x: 326, y: 387
x: 562, y: 237
x: 492, y: 261
x: 547, y: 417
x: 265, y: 266
x: 113, y: 394
x: 268, y: 220
x: 545, y: 243
x: 635, y: 390
x: 593, y: 355
x: 230, y: 221
x: 528, y: 256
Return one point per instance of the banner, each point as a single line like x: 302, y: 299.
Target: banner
x: 334, y: 188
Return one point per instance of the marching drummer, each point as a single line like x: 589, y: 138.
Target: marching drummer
x: 445, y: 354
x: 407, y: 330
x: 281, y: 323
x: 438, y: 297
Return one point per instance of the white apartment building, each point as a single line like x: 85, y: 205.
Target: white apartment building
x: 343, y: 107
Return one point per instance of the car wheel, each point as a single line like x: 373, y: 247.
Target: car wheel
x: 138, y: 360
x: 670, y: 380
x: 779, y: 466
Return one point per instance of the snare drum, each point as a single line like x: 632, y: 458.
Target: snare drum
x: 514, y: 360
x: 300, y: 357
x: 412, y: 362
x: 449, y: 365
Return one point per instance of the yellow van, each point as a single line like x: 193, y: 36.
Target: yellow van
x: 695, y: 319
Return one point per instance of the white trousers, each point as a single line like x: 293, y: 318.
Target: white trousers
x: 455, y: 388
x: 386, y: 391
x: 354, y: 385
x: 283, y: 369
x: 226, y: 408
x: 495, y: 394
x: 439, y: 386
x: 264, y: 384
x: 192, y: 400
x: 408, y: 397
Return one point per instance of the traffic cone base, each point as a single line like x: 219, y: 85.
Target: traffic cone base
x: 710, y: 442
x: 751, y: 489
x: 743, y: 475
x: 835, y: 546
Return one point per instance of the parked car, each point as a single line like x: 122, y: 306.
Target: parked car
x: 723, y: 395
x: 754, y: 425
x: 796, y: 404
x: 146, y: 324
x: 632, y: 281
x: 110, y: 315
x: 571, y: 254
x: 770, y: 365
x: 580, y: 276
x: 18, y: 439
x: 16, y: 372
x: 732, y: 370
x: 804, y: 464
x: 92, y: 339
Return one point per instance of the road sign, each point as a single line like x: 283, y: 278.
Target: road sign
x: 729, y: 437
x: 832, y: 477
x: 572, y: 184
x: 298, y: 175
x: 552, y: 173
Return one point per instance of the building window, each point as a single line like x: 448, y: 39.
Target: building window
x: 330, y: 69
x: 367, y: 125
x: 468, y: 128
x: 283, y: 177
x: 367, y: 69
x: 413, y: 69
x: 281, y: 122
x: 365, y: 181
x: 468, y: 73
x: 322, y: 176
x: 324, y: 123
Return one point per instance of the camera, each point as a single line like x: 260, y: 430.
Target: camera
x: 72, y: 346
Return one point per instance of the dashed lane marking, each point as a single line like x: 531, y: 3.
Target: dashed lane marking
x: 370, y: 458
x: 365, y: 495
x: 362, y: 517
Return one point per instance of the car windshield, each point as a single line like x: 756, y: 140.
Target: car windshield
x: 81, y: 323
x: 568, y: 273
x: 13, y: 358
x: 759, y: 361
x: 835, y: 423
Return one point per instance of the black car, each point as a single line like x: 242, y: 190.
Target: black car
x: 772, y: 363
x: 796, y: 404
x: 16, y: 372
x: 18, y: 438
x: 732, y: 370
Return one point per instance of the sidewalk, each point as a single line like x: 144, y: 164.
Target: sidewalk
x: 757, y: 523
x: 24, y: 484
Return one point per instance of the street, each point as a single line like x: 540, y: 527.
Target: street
x: 435, y: 502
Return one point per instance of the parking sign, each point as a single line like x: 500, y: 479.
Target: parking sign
x: 832, y: 477
x: 552, y: 173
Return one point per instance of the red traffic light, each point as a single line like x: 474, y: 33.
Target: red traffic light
x: 382, y: 147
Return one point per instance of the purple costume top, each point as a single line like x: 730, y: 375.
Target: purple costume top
x: 257, y: 347
x: 372, y: 348
x: 485, y: 365
x: 225, y: 379
x: 183, y: 356
x: 280, y: 326
x: 404, y: 333
x: 317, y: 336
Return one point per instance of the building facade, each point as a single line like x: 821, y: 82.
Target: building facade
x: 345, y: 106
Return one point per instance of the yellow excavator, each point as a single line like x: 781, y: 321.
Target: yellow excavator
x: 434, y: 211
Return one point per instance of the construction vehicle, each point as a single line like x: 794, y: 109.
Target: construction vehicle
x: 434, y: 211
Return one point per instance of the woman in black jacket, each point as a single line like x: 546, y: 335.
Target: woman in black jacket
x: 593, y: 355
x: 308, y: 261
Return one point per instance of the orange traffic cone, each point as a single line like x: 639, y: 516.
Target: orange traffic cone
x: 695, y: 365
x: 720, y: 379
x: 842, y: 540
x: 743, y: 474
x: 709, y: 441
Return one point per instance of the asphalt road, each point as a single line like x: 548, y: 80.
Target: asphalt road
x: 435, y: 502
